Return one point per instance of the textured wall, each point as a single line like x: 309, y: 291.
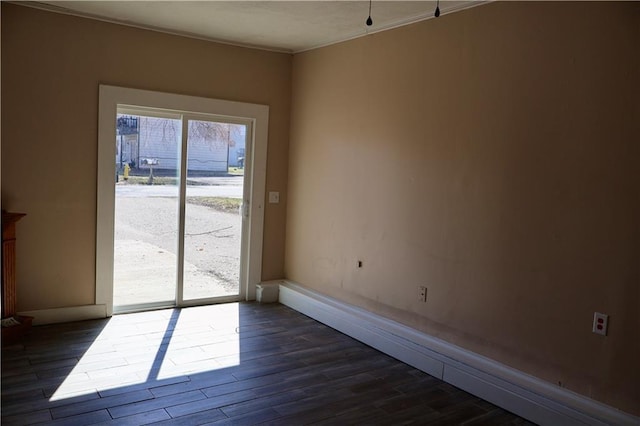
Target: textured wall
x: 492, y: 156
x: 52, y: 66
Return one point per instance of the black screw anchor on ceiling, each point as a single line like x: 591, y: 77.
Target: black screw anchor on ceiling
x: 369, y: 20
x: 437, y: 14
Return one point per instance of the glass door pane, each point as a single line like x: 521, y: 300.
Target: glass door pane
x: 213, y: 221
x: 146, y: 210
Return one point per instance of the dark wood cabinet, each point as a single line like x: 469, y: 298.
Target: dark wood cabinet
x: 9, y: 301
x: 9, y: 221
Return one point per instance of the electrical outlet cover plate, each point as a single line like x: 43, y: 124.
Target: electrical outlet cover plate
x: 600, y: 322
x: 422, y: 294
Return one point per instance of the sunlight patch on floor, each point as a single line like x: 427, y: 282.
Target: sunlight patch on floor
x: 156, y: 346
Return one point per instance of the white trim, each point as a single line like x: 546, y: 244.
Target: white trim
x: 73, y: 313
x: 445, y: 10
x: 62, y: 11
x: 511, y: 389
x: 254, y: 236
x: 182, y: 208
x: 258, y: 116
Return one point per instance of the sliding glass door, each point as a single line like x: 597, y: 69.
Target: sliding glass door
x: 213, y: 200
x: 146, y: 209
x: 178, y: 222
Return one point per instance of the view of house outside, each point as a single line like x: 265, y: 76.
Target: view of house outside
x: 147, y: 209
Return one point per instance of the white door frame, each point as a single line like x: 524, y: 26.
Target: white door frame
x: 258, y: 115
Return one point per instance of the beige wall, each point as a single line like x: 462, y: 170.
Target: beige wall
x: 491, y: 155
x: 51, y: 68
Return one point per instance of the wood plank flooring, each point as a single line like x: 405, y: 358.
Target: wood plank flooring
x: 239, y: 363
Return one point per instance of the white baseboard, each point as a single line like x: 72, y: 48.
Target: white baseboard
x: 73, y: 313
x: 527, y: 396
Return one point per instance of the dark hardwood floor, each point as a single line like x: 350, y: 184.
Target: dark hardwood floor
x: 236, y: 363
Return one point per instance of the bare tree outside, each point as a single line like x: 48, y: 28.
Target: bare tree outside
x: 200, y: 132
x: 146, y: 209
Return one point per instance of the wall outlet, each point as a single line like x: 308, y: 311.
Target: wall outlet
x: 600, y: 323
x: 422, y: 294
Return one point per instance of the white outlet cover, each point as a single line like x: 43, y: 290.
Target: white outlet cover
x: 274, y: 197
x: 600, y: 323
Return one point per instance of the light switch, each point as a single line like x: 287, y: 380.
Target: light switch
x: 274, y: 197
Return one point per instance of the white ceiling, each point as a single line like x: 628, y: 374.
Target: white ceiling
x: 286, y: 26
